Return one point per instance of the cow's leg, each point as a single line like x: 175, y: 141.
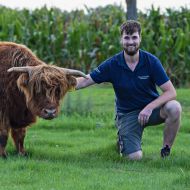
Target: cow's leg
x: 18, y: 136
x: 4, y: 132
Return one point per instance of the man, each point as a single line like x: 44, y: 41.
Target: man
x: 134, y: 74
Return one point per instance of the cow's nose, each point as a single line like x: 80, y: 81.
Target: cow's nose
x: 49, y: 112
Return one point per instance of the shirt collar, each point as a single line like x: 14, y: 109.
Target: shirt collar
x: 122, y: 63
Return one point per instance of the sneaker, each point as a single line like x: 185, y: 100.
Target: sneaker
x: 165, y: 151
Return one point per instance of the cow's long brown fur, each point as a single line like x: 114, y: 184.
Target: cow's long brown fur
x: 23, y: 95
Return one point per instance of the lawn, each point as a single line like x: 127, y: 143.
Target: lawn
x: 77, y: 151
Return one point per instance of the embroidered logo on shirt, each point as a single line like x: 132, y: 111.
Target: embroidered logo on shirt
x: 143, y: 77
x: 97, y: 70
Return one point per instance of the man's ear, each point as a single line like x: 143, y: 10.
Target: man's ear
x: 22, y: 81
x: 121, y: 42
x: 72, y: 82
x: 140, y: 37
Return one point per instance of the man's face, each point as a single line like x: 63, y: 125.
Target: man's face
x: 131, y: 43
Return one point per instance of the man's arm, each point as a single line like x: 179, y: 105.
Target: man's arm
x: 84, y: 82
x: 169, y: 93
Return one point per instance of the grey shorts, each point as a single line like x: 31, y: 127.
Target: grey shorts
x: 130, y: 131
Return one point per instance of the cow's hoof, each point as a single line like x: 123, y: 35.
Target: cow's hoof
x: 23, y: 154
x: 4, y: 156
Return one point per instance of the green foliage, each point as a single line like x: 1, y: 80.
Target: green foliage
x: 82, y: 40
x: 166, y: 36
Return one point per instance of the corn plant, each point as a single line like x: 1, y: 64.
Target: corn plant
x: 82, y: 40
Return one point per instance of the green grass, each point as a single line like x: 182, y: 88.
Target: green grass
x: 77, y: 151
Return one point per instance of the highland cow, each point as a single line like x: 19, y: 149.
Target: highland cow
x: 28, y: 88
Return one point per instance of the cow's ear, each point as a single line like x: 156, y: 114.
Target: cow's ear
x: 22, y: 81
x: 72, y: 82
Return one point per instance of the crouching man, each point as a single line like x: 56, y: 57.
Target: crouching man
x: 134, y: 74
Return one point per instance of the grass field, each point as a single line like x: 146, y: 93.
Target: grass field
x: 77, y: 151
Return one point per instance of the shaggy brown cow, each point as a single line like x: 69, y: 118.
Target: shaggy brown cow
x: 28, y: 88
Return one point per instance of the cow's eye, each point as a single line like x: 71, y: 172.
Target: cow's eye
x: 57, y: 91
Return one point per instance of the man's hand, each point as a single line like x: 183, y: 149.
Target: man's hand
x: 84, y: 82
x: 144, y: 116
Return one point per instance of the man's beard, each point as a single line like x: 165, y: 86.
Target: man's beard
x: 133, y: 52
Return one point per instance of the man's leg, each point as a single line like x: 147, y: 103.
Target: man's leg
x: 135, y: 155
x: 130, y: 134
x: 171, y: 112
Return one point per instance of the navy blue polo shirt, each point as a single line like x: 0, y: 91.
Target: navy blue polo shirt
x: 133, y: 89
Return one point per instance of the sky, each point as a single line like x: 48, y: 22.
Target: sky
x: 69, y: 5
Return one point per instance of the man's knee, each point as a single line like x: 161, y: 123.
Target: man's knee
x: 135, y: 155
x: 172, y: 109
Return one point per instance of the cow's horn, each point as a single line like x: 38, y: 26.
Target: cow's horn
x: 74, y: 72
x: 26, y: 69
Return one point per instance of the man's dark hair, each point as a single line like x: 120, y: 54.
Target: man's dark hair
x: 130, y: 27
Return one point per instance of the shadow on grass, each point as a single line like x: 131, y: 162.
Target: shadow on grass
x: 107, y: 157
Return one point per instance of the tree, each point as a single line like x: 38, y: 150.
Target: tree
x: 131, y: 9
